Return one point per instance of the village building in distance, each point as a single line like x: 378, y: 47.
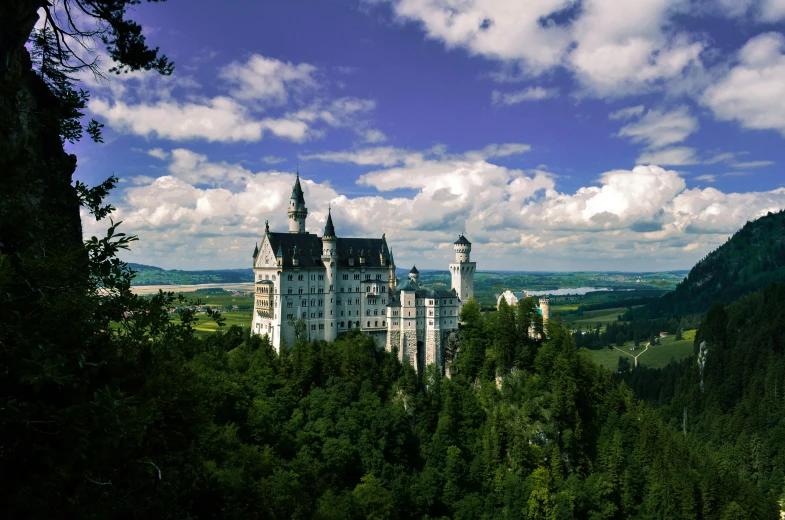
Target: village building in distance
x: 322, y: 286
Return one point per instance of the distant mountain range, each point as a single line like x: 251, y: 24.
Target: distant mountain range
x: 151, y: 275
x: 746, y: 263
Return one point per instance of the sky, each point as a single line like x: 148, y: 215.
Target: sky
x: 557, y: 134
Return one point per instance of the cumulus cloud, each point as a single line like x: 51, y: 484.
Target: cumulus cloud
x: 268, y: 79
x: 753, y: 89
x: 613, y: 48
x: 204, y: 213
x: 627, y: 112
x: 529, y: 94
x: 146, y: 104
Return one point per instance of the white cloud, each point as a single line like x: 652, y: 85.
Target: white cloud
x: 627, y: 113
x: 272, y: 159
x: 374, y: 136
x: 208, y: 214
x: 529, y: 94
x: 657, y: 129
x: 674, y: 156
x: 772, y: 10
x: 268, y: 79
x: 752, y: 164
x: 706, y: 178
x: 158, y: 153
x: 752, y: 91
x: 613, y: 48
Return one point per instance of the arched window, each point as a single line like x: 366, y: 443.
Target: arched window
x: 305, y: 303
x: 300, y: 290
x: 289, y: 278
x: 290, y: 290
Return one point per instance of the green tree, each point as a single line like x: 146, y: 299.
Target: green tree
x: 374, y: 499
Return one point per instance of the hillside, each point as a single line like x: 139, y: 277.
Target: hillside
x: 746, y: 263
x: 150, y: 275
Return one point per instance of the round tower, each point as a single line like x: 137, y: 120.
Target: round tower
x: 297, y: 210
x: 462, y: 270
x: 330, y: 261
x: 414, y: 275
x: 545, y: 307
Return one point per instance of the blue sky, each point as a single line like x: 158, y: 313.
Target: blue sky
x: 558, y: 134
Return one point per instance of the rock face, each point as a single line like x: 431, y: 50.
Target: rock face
x: 38, y: 199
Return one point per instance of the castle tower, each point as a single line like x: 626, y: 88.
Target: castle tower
x: 545, y: 307
x: 414, y: 275
x: 462, y: 270
x: 330, y: 261
x: 297, y: 210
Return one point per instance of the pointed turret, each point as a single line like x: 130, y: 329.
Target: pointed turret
x: 297, y: 191
x: 414, y: 275
x: 297, y: 210
x: 329, y: 229
x: 256, y: 250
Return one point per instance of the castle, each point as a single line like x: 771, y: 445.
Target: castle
x: 317, y: 287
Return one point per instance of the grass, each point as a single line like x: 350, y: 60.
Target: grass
x: 669, y: 349
x: 609, y: 358
x: 592, y: 317
x: 657, y: 356
x: 206, y: 326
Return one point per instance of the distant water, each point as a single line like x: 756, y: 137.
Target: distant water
x: 577, y: 291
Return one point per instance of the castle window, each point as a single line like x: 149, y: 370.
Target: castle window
x: 305, y: 303
x: 321, y: 277
x: 300, y: 277
x: 356, y: 276
x: 321, y: 290
x: 384, y: 288
x: 383, y: 324
x: 313, y: 327
x: 430, y: 323
x: 300, y: 290
x: 338, y: 301
x: 358, y: 324
x: 305, y: 315
x: 378, y: 277
x: 321, y: 302
x: 290, y: 303
x: 384, y: 301
x: 368, y: 312
x: 341, y: 289
x: 313, y: 315
x: 341, y: 324
x: 290, y: 290
x: 289, y: 316
x: 313, y: 277
x: 321, y: 315
x: 331, y: 287
x: 289, y: 277
x: 313, y: 303
x: 375, y: 323
x: 376, y: 312
x: 342, y: 314
x: 357, y: 289
x: 321, y: 326
x: 357, y: 301
x: 313, y: 290
x: 345, y: 277
x: 367, y: 276
x: 369, y: 324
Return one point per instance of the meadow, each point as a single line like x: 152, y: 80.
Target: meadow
x: 656, y: 356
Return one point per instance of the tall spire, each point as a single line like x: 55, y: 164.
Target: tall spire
x: 297, y: 191
x: 329, y: 229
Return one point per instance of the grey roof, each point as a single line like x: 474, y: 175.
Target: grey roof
x: 462, y: 241
x: 309, y: 249
x: 414, y: 270
x: 329, y: 229
x: 297, y: 191
x: 408, y: 285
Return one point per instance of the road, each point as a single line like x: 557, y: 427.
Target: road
x: 635, y: 357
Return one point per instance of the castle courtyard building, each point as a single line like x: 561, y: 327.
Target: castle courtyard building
x: 318, y: 287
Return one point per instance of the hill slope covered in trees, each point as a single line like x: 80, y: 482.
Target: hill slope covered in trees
x: 747, y: 262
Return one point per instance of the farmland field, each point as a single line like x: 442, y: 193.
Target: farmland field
x: 592, y: 317
x: 657, y: 356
